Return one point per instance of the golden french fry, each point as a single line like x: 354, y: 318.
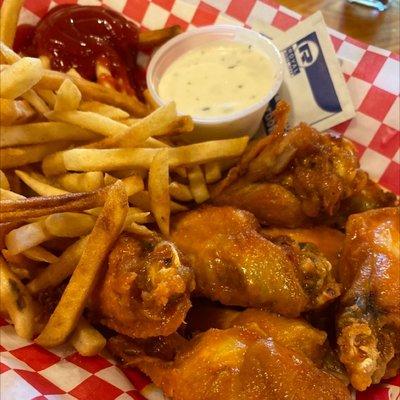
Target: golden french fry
x: 30, y: 96
x: 69, y: 224
x: 13, y: 157
x: 39, y: 253
x: 93, y: 91
x: 48, y: 96
x: 161, y: 122
x: 42, y: 132
x: 39, y: 184
x: 35, y: 207
x: 17, y: 301
x: 133, y: 183
x: 150, y: 39
x: 26, y: 237
x: 4, y: 184
x: 87, y: 340
x: 53, y: 164
x: 9, y: 15
x: 149, y: 100
x: 180, y: 192
x: 106, y: 230
x: 105, y: 110
x: 118, y: 159
x: 81, y: 182
x: 18, y: 78
x: 89, y: 120
x: 197, y: 184
x: 212, y: 172
x: 137, y: 229
x: 59, y: 270
x: 158, y: 190
x: 142, y: 201
x: 9, y: 195
x: 18, y: 259
x: 74, y: 73
x: 45, y: 62
x: 68, y: 97
x: 14, y: 112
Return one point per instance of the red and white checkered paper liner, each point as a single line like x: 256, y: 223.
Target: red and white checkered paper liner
x: 28, y: 371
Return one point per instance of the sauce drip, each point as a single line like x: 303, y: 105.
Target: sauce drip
x: 82, y: 37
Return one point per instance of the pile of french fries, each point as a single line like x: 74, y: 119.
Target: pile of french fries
x: 80, y: 163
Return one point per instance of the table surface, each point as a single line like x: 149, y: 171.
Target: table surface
x: 363, y: 23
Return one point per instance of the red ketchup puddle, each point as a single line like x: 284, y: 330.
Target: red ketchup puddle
x: 82, y: 37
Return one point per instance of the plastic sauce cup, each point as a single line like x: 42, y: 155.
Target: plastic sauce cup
x: 243, y: 122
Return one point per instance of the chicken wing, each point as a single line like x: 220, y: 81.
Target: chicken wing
x: 146, y: 288
x: 234, y: 264
x: 329, y: 241
x: 368, y: 324
x: 233, y: 364
x: 291, y: 178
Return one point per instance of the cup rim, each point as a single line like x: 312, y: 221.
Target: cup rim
x: 164, y: 49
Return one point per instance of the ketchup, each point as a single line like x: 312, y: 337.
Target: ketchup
x: 81, y: 37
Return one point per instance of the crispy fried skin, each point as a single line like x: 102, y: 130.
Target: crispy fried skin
x: 368, y: 323
x: 146, y: 288
x: 294, y: 333
x: 329, y: 241
x: 233, y: 364
x: 307, y: 172
x: 234, y: 264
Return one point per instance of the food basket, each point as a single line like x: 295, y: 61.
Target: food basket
x: 28, y: 371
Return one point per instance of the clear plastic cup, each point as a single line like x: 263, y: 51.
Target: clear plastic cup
x: 243, y: 122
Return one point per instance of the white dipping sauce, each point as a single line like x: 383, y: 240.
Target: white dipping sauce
x: 217, y: 79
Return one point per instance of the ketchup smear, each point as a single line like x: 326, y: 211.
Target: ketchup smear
x: 81, y: 37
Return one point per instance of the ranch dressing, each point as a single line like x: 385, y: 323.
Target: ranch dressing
x: 217, y: 79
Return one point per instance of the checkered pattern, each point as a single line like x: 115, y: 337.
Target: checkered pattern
x: 30, y: 372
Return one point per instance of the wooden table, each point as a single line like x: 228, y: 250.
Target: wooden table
x: 363, y: 23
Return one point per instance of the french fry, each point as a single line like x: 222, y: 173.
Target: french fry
x: 42, y: 132
x: 119, y: 159
x: 48, y: 96
x: 52, y: 80
x: 9, y: 195
x: 197, y: 184
x: 39, y: 253
x: 45, y: 62
x: 13, y: 157
x: 105, y: 110
x: 212, y: 172
x: 39, y: 184
x: 15, y: 112
x: 53, y: 164
x: 9, y: 15
x: 35, y: 207
x: 81, y: 182
x: 19, y: 260
x: 17, y: 301
x: 59, y: 270
x: 133, y: 183
x: 89, y: 120
x: 106, y: 230
x: 26, y: 237
x: 69, y: 224
x: 142, y: 201
x: 30, y: 96
x: 150, y: 39
x: 158, y: 190
x: 68, y: 97
x: 180, y: 192
x: 104, y: 77
x: 4, y: 184
x: 161, y: 122
x: 18, y: 78
x: 137, y: 229
x: 87, y: 340
x: 149, y: 100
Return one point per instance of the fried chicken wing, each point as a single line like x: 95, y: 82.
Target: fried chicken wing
x: 329, y: 241
x: 292, y: 178
x: 368, y: 324
x: 146, y: 288
x: 234, y: 264
x: 233, y: 364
